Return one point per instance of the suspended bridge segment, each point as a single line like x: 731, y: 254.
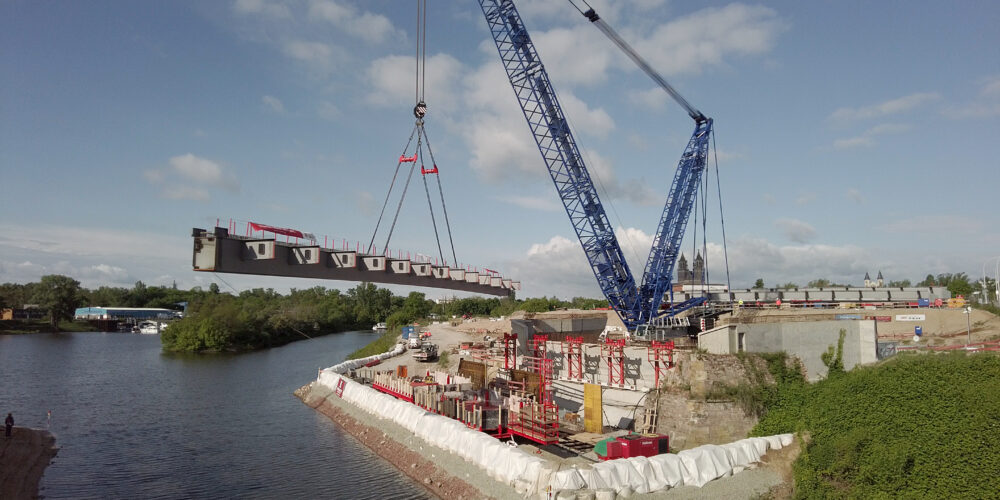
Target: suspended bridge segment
x: 220, y: 251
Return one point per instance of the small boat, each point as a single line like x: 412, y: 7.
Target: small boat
x: 379, y: 327
x: 149, y: 328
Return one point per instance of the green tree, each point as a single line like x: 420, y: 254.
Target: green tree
x: 60, y: 295
x: 788, y: 286
x: 900, y: 284
x: 819, y: 283
x: 759, y: 283
x: 928, y: 281
x: 958, y: 284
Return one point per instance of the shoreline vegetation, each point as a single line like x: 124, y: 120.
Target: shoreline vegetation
x: 217, y: 321
x: 914, y: 426
x: 258, y: 318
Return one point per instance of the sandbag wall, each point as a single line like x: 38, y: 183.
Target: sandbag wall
x: 531, y: 475
x: 504, y: 463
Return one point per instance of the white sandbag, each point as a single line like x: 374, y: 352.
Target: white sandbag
x: 567, y: 479
x: 609, y: 475
x: 605, y: 494
x: 650, y: 480
x: 669, y: 468
x: 786, y: 439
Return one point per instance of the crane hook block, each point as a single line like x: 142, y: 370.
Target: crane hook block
x: 424, y: 171
x: 420, y: 110
x: 404, y: 159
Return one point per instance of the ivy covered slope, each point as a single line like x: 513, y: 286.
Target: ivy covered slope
x: 918, y: 426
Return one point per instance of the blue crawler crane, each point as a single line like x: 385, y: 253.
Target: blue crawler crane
x: 636, y: 305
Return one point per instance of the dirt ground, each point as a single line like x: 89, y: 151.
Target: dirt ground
x: 23, y: 459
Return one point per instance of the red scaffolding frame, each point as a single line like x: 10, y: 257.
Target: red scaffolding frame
x: 661, y: 356
x: 613, y: 350
x: 538, y: 345
x: 537, y: 420
x: 572, y: 349
x: 509, y: 351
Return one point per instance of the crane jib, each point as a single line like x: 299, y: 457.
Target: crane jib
x: 636, y: 305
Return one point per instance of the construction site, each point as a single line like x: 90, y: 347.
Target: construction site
x: 573, y: 393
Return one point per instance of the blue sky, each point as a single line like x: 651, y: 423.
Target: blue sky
x: 852, y: 136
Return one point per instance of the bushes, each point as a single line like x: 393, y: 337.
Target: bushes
x: 923, y: 426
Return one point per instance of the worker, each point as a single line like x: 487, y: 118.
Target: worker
x: 9, y: 423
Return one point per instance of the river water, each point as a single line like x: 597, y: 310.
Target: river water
x: 132, y: 422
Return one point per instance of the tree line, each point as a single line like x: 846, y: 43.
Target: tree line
x: 258, y: 318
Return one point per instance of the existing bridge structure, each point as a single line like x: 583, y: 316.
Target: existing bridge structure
x: 222, y: 252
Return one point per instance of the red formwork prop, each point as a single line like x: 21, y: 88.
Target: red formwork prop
x: 538, y: 345
x: 509, y: 351
x: 661, y: 356
x: 613, y: 350
x: 572, y: 349
x: 381, y: 388
x: 538, y: 422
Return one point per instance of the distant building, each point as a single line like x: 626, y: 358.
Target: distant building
x: 878, y: 283
x: 125, y: 313
x: 696, y: 275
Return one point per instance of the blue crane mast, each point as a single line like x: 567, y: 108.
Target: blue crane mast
x: 636, y: 305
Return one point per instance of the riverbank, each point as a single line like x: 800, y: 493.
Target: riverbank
x: 23, y: 459
x: 24, y: 327
x: 443, y: 475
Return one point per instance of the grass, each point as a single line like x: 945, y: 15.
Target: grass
x: 383, y: 343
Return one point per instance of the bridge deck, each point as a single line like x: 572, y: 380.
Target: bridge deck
x: 221, y: 252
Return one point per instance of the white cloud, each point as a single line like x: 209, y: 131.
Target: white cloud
x: 796, y: 230
x: 651, y: 98
x: 574, y: 56
x: 189, y: 177
x: 543, y: 203
x: 885, y: 108
x: 203, y: 171
x: 269, y: 9
x: 855, y: 195
x: 392, y: 82
x: 319, y: 57
x: 364, y: 25
x: 73, y: 241
x: 709, y: 37
x: 867, y: 138
x: 805, y: 198
x: 752, y: 257
x: 556, y: 267
x: 273, y: 103
x: 559, y: 267
x: 986, y: 105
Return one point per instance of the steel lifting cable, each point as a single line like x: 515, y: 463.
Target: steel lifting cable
x: 444, y: 207
x: 389, y: 193
x: 399, y: 206
x: 704, y: 235
x: 430, y: 206
x: 718, y: 185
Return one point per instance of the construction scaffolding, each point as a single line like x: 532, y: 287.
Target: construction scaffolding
x: 509, y: 351
x: 613, y: 350
x: 661, y: 356
x: 535, y: 417
x: 538, y: 345
x: 572, y: 349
